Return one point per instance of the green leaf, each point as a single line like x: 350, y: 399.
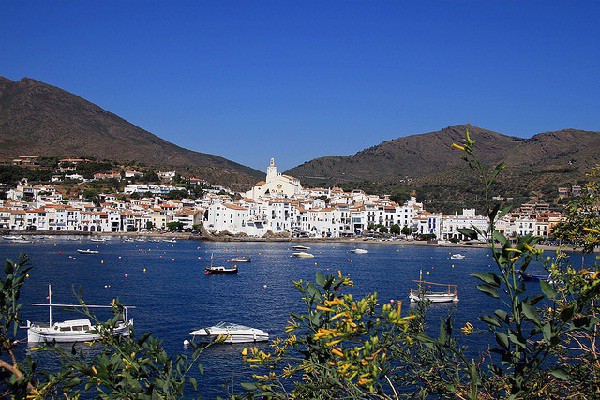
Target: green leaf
x: 548, y: 290
x: 503, y: 315
x: 567, y: 313
x: 517, y: 340
x: 249, y: 386
x: 320, y: 280
x: 491, y: 320
x: 489, y: 278
x: 469, y: 233
x: 143, y: 339
x: 504, y: 211
x: 194, y: 383
x: 489, y: 290
x: 502, y: 340
x: 547, y: 331
x: 559, y: 373
x: 531, y: 314
x: 499, y: 237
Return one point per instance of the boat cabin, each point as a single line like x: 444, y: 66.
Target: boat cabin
x: 73, y: 325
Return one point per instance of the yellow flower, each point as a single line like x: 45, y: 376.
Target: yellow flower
x: 467, y: 329
x: 337, y: 352
x: 321, y: 308
x: 458, y: 146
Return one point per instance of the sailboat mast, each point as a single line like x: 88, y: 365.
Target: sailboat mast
x: 50, y: 297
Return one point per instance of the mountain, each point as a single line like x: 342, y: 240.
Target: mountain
x: 428, y: 165
x: 412, y: 156
x: 40, y: 119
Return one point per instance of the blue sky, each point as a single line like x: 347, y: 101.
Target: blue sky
x: 294, y: 80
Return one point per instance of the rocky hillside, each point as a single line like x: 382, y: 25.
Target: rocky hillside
x: 429, y: 167
x: 40, y: 119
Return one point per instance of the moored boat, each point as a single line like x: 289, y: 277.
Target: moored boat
x: 72, y: 330
x: 231, y: 333
x: 300, y: 247
x: 425, y: 293
x: 241, y: 259
x: 359, y: 251
x: 302, y: 254
x: 457, y: 256
x: 217, y: 269
x: 13, y: 237
x: 87, y: 251
x: 220, y: 270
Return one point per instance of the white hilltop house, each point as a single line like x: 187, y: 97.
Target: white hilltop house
x: 275, y: 185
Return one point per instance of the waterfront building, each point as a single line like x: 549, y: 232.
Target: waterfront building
x: 451, y: 224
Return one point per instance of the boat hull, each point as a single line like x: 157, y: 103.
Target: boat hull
x: 233, y: 338
x: 433, y: 297
x: 302, y: 255
x: 45, y: 334
x: 211, y: 271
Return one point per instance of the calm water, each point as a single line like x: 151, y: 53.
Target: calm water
x: 174, y: 296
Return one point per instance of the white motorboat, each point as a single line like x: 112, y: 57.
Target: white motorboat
x: 425, y: 293
x: 457, y: 256
x: 359, y: 251
x: 241, y: 259
x: 72, y: 330
x: 302, y: 254
x: 98, y: 240
x: 232, y: 333
x: 13, y: 237
x: 300, y: 247
x: 169, y: 240
x: 68, y: 331
x: 87, y: 251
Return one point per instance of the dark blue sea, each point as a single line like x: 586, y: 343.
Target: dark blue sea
x: 174, y: 296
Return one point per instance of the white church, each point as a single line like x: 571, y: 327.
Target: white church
x: 275, y: 185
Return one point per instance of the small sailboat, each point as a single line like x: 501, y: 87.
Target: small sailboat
x: 424, y: 292
x: 219, y: 269
x: 238, y: 258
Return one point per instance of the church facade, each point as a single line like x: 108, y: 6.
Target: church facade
x: 275, y: 185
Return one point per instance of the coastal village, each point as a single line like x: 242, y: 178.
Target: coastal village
x: 278, y: 207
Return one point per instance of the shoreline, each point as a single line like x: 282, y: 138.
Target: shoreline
x: 229, y: 239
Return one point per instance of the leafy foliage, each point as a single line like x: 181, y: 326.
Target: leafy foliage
x: 582, y: 225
